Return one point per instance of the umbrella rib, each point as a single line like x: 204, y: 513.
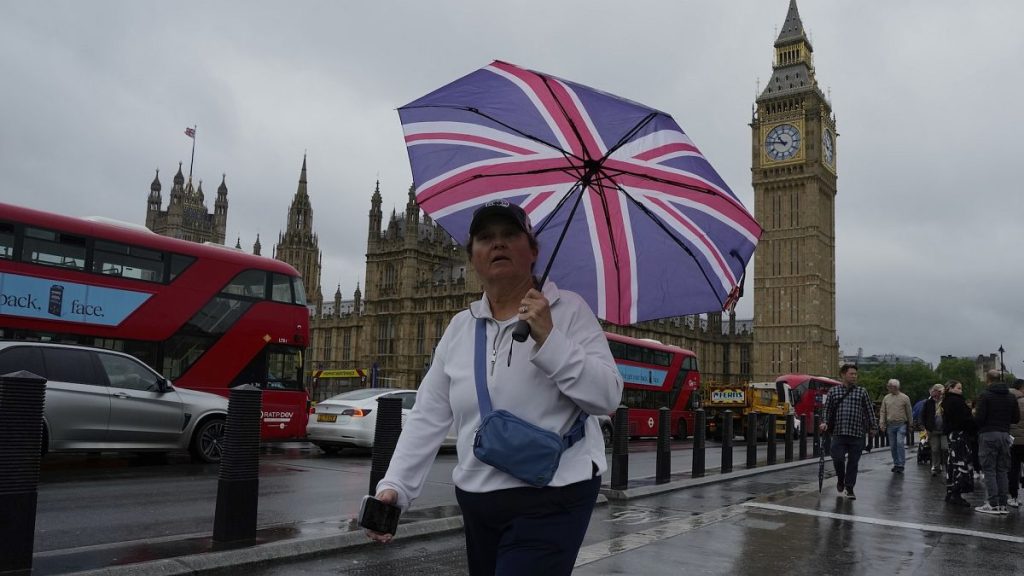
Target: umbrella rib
x: 500, y: 123
x: 665, y: 229
x: 501, y: 175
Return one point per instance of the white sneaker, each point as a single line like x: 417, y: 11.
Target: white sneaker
x: 1013, y: 503
x: 987, y: 509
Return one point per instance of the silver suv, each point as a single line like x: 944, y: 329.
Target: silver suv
x: 100, y: 401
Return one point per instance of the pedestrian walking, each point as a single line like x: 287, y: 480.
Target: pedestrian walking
x: 894, y: 418
x: 932, y: 420
x: 958, y: 425
x: 1017, y: 450
x: 848, y: 417
x: 560, y: 374
x: 996, y: 411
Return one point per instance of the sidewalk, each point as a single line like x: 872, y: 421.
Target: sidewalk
x: 898, y: 524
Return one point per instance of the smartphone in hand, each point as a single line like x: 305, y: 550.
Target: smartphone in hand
x: 379, y: 516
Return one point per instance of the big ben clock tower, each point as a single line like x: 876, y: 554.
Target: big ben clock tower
x: 794, y: 179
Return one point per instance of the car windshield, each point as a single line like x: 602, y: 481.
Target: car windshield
x: 358, y: 394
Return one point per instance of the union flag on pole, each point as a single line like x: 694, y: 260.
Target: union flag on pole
x: 190, y: 132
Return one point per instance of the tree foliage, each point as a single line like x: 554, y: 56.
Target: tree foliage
x: 915, y: 379
x: 962, y: 369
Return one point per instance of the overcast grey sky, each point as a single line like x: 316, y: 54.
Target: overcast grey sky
x: 96, y: 95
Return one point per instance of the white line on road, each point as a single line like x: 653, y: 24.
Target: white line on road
x: 895, y: 523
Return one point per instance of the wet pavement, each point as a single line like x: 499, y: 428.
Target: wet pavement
x: 774, y: 522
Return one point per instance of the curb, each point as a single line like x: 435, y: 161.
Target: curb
x: 253, y: 556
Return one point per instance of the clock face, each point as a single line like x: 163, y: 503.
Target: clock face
x: 782, y: 142
x: 828, y: 145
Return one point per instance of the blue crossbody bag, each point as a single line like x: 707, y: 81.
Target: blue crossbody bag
x: 511, y: 444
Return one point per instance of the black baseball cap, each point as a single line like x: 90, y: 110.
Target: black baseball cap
x: 500, y: 209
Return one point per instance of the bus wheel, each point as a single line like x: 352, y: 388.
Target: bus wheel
x: 681, y: 430
x: 606, y: 433
x: 207, y: 441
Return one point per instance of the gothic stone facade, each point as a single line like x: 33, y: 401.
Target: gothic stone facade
x: 186, y: 216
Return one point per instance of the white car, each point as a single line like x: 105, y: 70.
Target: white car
x: 349, y: 420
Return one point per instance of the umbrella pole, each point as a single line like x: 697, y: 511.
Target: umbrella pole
x: 522, y: 328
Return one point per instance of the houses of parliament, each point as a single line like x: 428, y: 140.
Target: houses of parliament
x: 417, y: 277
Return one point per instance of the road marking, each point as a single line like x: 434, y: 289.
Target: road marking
x: 607, y: 548
x: 895, y: 523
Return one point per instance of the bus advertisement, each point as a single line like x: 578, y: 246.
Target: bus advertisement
x: 656, y: 375
x: 205, y: 316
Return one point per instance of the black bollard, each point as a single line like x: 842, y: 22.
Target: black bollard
x: 699, y: 431
x: 770, y: 432
x: 727, y: 442
x: 22, y: 399
x: 238, y: 487
x: 620, y: 449
x: 385, y: 438
x: 752, y: 440
x: 816, y: 451
x: 805, y: 422
x: 663, y: 462
x: 788, y: 442
x: 910, y: 435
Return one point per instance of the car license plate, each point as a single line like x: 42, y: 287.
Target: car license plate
x: 326, y: 417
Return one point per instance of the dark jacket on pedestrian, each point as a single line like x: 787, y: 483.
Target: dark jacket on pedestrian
x: 996, y: 410
x: 928, y: 416
x: 956, y: 416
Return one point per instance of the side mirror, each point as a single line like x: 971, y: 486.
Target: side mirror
x: 163, y: 386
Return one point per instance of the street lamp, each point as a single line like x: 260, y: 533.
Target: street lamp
x: 1002, y: 367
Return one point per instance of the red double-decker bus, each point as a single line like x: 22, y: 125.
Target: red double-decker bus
x: 206, y: 316
x: 656, y: 375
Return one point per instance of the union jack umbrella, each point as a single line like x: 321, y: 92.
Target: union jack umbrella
x: 642, y: 225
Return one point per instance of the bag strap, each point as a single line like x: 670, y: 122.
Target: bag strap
x: 483, y: 397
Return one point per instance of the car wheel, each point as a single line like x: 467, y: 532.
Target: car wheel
x: 331, y: 450
x: 207, y: 440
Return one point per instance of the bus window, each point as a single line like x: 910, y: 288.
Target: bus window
x: 281, y: 290
x: 53, y: 249
x: 6, y: 240
x: 116, y: 259
x: 250, y: 284
x: 299, y: 290
x: 178, y: 264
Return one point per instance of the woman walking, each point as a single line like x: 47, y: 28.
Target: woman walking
x: 958, y: 425
x: 560, y: 374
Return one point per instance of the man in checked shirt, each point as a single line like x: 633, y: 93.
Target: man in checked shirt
x: 848, y: 417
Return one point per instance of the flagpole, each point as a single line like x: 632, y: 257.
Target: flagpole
x: 193, y: 159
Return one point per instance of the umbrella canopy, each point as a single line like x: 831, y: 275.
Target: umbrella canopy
x: 642, y: 225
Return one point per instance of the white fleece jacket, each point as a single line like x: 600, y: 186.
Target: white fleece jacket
x: 545, y: 385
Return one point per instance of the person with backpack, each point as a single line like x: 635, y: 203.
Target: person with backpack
x: 848, y: 417
x: 931, y: 419
x: 997, y: 410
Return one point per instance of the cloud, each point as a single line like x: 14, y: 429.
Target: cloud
x: 97, y: 95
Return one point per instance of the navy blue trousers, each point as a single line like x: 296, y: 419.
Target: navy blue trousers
x: 526, y: 531
x: 846, y: 451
